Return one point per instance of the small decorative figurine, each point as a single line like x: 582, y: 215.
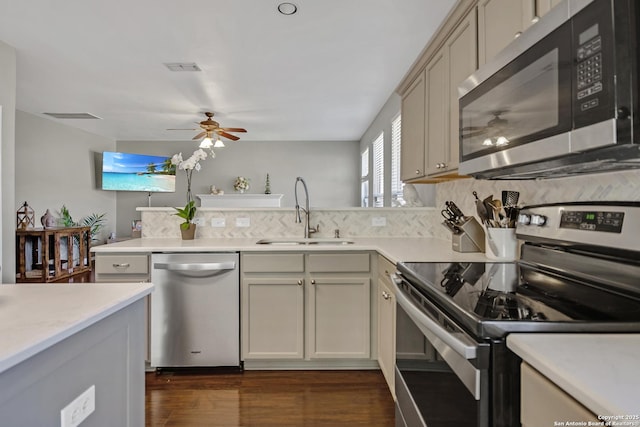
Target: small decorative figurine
x: 48, y: 220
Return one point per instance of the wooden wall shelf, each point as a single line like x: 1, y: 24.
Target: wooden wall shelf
x: 51, y: 254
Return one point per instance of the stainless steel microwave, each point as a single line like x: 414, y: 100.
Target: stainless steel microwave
x: 560, y: 100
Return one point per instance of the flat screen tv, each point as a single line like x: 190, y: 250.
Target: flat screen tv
x: 137, y: 172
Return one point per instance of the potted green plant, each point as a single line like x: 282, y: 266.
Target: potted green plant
x: 188, y: 213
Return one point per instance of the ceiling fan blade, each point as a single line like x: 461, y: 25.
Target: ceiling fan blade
x: 227, y: 135
x: 198, y: 136
x: 474, y: 128
x: 192, y: 129
x: 474, y: 133
x: 233, y: 130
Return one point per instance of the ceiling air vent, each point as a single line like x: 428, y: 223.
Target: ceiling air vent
x: 73, y: 116
x: 182, y: 66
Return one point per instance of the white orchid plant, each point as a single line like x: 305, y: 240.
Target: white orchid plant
x: 192, y: 163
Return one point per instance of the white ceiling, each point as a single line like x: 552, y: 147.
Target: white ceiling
x: 321, y: 74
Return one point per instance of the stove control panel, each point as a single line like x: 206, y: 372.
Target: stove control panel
x: 609, y: 222
x: 533, y: 219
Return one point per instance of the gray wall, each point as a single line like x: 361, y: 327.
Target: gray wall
x: 7, y: 175
x: 57, y: 167
x: 330, y: 169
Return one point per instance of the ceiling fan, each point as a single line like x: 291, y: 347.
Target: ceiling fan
x: 209, y: 128
x: 494, y: 126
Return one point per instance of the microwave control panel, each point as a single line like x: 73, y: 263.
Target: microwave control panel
x: 589, y: 67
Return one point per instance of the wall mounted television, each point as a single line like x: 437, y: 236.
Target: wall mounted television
x: 137, y: 172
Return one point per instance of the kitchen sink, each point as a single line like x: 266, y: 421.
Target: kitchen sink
x: 301, y: 241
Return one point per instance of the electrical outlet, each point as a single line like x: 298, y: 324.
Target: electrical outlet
x: 218, y: 222
x: 78, y: 410
x: 243, y: 222
x: 199, y: 221
x: 378, y: 221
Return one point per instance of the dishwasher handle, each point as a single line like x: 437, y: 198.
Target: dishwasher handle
x: 200, y: 267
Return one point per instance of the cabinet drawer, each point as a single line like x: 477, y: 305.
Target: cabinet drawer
x: 273, y: 263
x: 339, y: 263
x: 122, y: 264
x: 385, y: 267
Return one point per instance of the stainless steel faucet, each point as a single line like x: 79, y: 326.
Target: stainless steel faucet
x: 307, y: 229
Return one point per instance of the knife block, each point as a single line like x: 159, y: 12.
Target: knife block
x: 470, y: 237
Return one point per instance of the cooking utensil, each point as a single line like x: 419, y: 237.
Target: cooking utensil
x: 481, y: 209
x: 510, y: 198
x: 488, y: 205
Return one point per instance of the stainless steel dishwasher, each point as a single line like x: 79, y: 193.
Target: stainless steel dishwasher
x: 195, y: 310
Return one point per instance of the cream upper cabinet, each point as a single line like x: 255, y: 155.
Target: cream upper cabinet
x: 457, y: 60
x: 413, y: 131
x: 499, y: 22
x: 437, y: 117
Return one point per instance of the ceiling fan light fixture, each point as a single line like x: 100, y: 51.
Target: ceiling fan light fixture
x: 487, y: 142
x: 287, y: 8
x: 206, y: 142
x: 219, y: 143
x: 502, y: 141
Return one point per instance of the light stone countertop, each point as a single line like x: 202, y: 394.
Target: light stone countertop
x: 601, y: 371
x: 34, y: 317
x: 395, y: 249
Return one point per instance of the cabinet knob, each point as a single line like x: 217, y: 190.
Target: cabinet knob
x: 386, y: 295
x: 300, y: 282
x: 417, y: 171
x: 313, y: 282
x: 518, y: 34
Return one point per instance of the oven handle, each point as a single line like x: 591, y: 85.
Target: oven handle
x: 469, y: 352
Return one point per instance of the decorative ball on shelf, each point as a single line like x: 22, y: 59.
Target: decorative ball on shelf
x: 25, y: 217
x: 241, y: 184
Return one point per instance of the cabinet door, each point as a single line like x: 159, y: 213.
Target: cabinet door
x: 542, y: 403
x: 386, y: 331
x: 536, y: 9
x: 273, y: 318
x: 339, y: 310
x: 499, y: 22
x: 413, y: 131
x: 437, y: 115
x: 462, y: 61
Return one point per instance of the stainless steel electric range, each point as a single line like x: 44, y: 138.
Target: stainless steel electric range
x: 579, y: 272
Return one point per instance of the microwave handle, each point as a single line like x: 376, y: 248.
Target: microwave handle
x: 466, y: 351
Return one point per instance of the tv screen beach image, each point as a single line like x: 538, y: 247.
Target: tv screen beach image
x: 137, y: 172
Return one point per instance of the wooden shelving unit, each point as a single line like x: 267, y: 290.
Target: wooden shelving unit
x: 52, y: 254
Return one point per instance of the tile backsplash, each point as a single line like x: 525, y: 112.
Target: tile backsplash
x: 395, y: 222
x: 280, y: 222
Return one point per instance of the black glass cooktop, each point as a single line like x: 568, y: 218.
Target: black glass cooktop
x: 491, y: 299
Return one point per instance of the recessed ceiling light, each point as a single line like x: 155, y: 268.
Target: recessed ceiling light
x: 287, y: 8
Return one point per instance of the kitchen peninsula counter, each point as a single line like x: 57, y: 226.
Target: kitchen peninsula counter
x: 396, y: 249
x: 600, y: 371
x: 59, y: 340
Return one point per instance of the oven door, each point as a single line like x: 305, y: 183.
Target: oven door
x: 441, y: 372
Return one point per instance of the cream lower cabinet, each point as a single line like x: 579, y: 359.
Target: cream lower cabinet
x: 386, y: 323
x: 306, y: 306
x: 127, y: 267
x: 545, y: 404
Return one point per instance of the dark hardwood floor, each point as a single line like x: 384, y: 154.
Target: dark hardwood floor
x: 269, y: 398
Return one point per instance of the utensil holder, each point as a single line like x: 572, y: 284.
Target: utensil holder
x: 502, y: 244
